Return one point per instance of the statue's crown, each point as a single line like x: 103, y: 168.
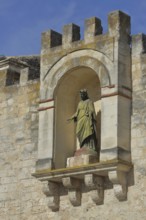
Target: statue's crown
x: 83, y: 91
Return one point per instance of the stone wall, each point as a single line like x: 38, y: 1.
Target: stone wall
x: 19, y: 192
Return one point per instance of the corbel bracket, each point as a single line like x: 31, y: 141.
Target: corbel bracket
x: 51, y: 190
x: 74, y: 190
x: 119, y: 180
x: 95, y: 184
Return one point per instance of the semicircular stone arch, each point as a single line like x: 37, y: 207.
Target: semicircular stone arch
x: 92, y: 59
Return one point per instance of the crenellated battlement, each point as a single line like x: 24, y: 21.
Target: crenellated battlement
x: 93, y: 27
x: 71, y: 33
x: 138, y: 44
x: 118, y: 27
x: 51, y: 39
x: 19, y: 70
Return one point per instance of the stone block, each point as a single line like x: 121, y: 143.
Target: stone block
x: 3, y: 74
x: 92, y: 28
x: 45, y: 133
x: 115, y: 153
x: 24, y: 76
x: 81, y: 160
x: 43, y: 164
x: 119, y: 25
x: 51, y: 39
x: 138, y: 44
x: 109, y: 119
x: 71, y: 33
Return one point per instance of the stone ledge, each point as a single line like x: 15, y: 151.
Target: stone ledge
x: 101, y: 169
x: 92, y: 177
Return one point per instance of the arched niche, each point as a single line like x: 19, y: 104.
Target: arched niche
x: 66, y: 77
x: 66, y: 97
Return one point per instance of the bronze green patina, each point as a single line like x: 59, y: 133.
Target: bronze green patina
x: 85, y: 117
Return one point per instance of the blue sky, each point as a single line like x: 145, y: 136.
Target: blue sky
x: 23, y: 21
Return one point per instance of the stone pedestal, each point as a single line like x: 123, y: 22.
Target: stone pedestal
x: 83, y: 156
x: 81, y: 160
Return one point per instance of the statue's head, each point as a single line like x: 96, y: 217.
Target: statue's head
x: 83, y: 94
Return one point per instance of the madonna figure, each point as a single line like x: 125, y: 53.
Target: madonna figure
x: 85, y: 117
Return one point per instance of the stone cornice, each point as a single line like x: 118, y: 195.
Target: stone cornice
x: 96, y: 168
x: 12, y: 62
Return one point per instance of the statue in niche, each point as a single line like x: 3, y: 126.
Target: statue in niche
x: 85, y: 117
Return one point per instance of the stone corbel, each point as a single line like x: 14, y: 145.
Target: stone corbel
x: 74, y: 190
x: 119, y: 180
x: 51, y: 190
x: 97, y: 177
x: 95, y: 184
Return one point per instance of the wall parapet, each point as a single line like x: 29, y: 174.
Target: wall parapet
x: 118, y: 27
x: 19, y: 70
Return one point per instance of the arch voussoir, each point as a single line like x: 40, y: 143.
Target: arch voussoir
x: 92, y: 59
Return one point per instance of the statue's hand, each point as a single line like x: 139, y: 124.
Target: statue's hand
x: 69, y: 119
x: 73, y: 118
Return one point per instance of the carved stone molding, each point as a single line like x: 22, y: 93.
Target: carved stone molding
x: 74, y: 190
x: 119, y: 180
x: 51, y: 190
x: 95, y: 184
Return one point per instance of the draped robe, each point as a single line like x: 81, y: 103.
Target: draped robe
x: 86, y: 124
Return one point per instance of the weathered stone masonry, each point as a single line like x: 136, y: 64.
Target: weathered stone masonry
x: 34, y: 147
